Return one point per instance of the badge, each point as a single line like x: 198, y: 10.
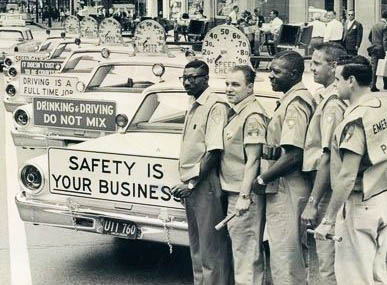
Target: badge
x: 216, y: 115
x: 291, y: 123
x: 252, y: 128
x: 349, y: 132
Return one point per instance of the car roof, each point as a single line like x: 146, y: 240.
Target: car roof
x: 17, y: 29
x: 148, y: 59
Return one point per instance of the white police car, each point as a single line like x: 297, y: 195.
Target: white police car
x: 107, y: 103
x: 117, y: 184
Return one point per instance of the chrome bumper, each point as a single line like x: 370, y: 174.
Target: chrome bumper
x: 90, y: 219
x: 31, y: 140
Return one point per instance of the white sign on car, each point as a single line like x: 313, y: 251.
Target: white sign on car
x: 47, y: 85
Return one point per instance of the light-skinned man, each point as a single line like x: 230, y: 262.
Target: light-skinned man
x: 201, y: 147
x: 329, y: 113
x: 353, y: 34
x: 358, y: 178
x: 244, y: 136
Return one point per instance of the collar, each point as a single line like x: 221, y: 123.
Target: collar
x: 243, y: 104
x: 328, y: 91
x: 362, y: 101
x: 295, y: 88
x: 203, y: 97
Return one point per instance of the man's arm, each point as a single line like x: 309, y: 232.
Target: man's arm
x: 292, y: 159
x: 345, y: 184
x: 359, y: 35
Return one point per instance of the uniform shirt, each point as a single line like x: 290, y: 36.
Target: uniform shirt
x: 350, y: 135
x: 328, y: 114
x: 234, y: 17
x: 203, y: 132
x: 247, y: 126
x: 318, y: 29
x: 334, y: 31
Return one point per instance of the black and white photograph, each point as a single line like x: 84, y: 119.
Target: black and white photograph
x: 193, y: 142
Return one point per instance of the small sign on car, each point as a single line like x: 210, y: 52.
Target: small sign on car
x: 35, y: 67
x: 32, y: 85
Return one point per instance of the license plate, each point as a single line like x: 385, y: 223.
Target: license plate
x: 120, y: 228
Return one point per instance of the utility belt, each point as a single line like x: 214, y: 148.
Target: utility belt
x: 271, y: 152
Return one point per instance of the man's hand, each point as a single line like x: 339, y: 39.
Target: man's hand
x: 181, y: 191
x: 322, y: 230
x: 258, y: 188
x: 309, y: 215
x: 242, y: 205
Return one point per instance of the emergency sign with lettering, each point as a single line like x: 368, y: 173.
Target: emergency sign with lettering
x: 31, y: 85
x: 75, y: 114
x: 113, y: 177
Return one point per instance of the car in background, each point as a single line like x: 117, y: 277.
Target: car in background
x: 113, y: 85
x: 117, y: 184
x: 13, y: 19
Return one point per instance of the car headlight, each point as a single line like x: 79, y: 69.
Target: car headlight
x: 12, y: 72
x: 80, y: 86
x: 31, y: 178
x: 10, y: 90
x: 21, y: 117
x: 121, y: 120
x: 158, y: 69
x: 8, y: 61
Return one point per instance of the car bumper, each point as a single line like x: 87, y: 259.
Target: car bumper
x: 31, y: 140
x: 11, y: 106
x: 90, y: 219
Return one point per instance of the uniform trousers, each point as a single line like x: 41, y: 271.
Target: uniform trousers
x: 246, y: 232
x: 361, y: 256
x: 283, y: 218
x: 325, y: 248
x: 210, y: 249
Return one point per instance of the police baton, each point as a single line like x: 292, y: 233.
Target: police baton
x: 328, y: 236
x: 224, y: 222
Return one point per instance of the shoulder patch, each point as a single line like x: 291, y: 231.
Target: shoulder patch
x: 348, y: 132
x: 216, y: 115
x: 252, y: 127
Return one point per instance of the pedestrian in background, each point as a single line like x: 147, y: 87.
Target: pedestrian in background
x: 353, y: 34
x: 244, y: 135
x: 334, y: 30
x: 287, y: 188
x: 378, y: 39
x: 318, y: 32
x: 201, y: 148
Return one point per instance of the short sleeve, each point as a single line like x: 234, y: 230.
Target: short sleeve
x: 353, y: 138
x: 254, y: 130
x: 215, y: 124
x: 295, y: 124
x: 331, y: 117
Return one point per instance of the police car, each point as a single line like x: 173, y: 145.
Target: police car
x: 13, y: 19
x: 107, y: 103
x: 14, y: 39
x: 14, y: 71
x: 117, y: 184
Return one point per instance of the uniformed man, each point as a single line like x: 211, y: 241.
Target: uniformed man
x: 329, y: 113
x: 358, y: 177
x: 201, y: 146
x: 244, y: 136
x: 287, y: 187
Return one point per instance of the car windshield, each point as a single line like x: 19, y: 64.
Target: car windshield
x: 161, y: 111
x: 84, y: 62
x: 129, y: 76
x: 11, y: 35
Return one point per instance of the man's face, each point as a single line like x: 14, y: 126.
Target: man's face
x: 237, y: 88
x: 351, y: 15
x: 322, y: 70
x: 342, y: 85
x: 195, y: 80
x: 280, y: 75
x: 272, y: 15
x: 330, y: 16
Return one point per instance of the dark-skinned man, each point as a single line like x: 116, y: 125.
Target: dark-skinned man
x: 287, y: 188
x: 201, y: 147
x: 328, y: 114
x: 358, y: 179
x: 244, y: 135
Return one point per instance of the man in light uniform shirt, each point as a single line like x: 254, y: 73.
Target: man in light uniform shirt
x: 329, y: 113
x: 287, y: 187
x: 334, y: 30
x: 273, y: 28
x: 244, y: 135
x: 358, y: 177
x: 202, y: 143
x: 234, y: 15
